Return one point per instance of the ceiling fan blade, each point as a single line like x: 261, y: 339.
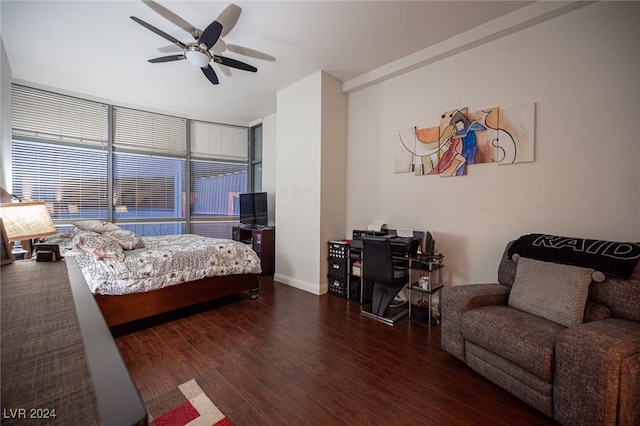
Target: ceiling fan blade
x: 228, y: 18
x: 159, y: 32
x: 234, y: 63
x: 172, y: 17
x: 225, y: 70
x: 166, y: 59
x: 250, y: 52
x: 210, y: 74
x: 211, y: 34
x: 219, y: 47
x: 169, y: 48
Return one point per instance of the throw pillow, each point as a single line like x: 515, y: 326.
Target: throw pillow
x: 98, y: 246
x: 126, y: 239
x: 551, y: 290
x: 98, y: 226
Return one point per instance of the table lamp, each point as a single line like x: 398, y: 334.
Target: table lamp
x: 25, y: 221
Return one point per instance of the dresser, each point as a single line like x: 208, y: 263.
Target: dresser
x: 59, y: 363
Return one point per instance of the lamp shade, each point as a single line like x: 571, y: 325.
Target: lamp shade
x: 27, y: 220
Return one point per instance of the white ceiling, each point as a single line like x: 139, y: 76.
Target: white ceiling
x: 93, y: 48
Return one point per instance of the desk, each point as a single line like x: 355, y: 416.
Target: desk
x: 345, y: 271
x: 59, y: 362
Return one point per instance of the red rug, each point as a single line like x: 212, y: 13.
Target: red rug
x: 185, y: 405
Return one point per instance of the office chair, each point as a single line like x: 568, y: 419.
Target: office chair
x: 388, y: 281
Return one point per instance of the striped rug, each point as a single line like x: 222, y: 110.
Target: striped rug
x: 185, y: 405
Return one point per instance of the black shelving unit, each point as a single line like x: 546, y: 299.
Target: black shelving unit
x: 428, y: 269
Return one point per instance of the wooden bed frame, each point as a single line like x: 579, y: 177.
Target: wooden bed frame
x: 130, y: 307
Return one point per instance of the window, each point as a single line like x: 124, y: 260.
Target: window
x: 71, y: 180
x: 154, y: 175
x: 215, y: 187
x: 218, y: 174
x: 148, y: 187
x: 256, y: 158
x: 149, y: 172
x: 59, y: 153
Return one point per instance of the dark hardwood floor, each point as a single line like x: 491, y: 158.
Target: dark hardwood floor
x: 290, y: 357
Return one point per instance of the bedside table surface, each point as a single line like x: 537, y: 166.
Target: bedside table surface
x: 44, y: 364
x: 57, y: 351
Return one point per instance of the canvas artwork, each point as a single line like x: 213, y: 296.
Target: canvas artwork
x: 516, y: 134
x: 418, y: 150
x: 462, y: 138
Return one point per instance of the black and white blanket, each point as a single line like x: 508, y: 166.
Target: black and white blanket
x: 166, y: 261
x: 610, y: 257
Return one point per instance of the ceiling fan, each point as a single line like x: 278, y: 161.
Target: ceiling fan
x: 200, y: 53
x: 228, y: 18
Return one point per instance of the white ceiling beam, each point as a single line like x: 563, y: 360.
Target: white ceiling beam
x: 510, y: 23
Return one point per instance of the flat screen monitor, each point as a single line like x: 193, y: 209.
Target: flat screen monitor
x: 429, y: 245
x: 261, y: 210
x: 247, y: 209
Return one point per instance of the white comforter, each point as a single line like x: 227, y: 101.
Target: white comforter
x: 166, y: 261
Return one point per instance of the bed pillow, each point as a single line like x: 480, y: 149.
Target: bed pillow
x: 98, y: 245
x: 126, y: 239
x: 551, y: 290
x: 98, y: 226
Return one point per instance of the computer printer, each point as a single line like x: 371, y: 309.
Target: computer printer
x: 400, y: 246
x: 404, y: 246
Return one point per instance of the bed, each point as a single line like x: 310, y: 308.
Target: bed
x: 133, y: 277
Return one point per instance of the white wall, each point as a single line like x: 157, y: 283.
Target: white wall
x: 582, y: 70
x: 310, y: 191
x: 298, y: 183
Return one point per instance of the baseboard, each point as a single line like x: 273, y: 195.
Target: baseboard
x: 302, y: 285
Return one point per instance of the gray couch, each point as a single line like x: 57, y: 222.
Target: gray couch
x: 582, y: 374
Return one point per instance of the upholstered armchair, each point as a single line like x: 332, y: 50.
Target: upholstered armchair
x: 563, y: 338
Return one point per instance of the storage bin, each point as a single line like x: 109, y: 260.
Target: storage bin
x: 338, y: 249
x: 337, y: 285
x: 337, y: 266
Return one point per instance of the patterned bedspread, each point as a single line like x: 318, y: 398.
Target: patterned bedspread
x: 166, y: 261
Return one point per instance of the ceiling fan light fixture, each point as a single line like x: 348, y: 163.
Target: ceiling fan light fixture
x: 197, y: 56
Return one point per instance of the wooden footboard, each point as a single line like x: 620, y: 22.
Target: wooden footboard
x: 129, y: 307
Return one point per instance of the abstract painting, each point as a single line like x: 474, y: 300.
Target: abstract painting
x: 463, y: 138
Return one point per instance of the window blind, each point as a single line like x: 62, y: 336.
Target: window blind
x: 72, y: 181
x: 149, y: 132
x: 215, y: 186
x: 148, y: 187
x: 218, y: 141
x: 42, y: 115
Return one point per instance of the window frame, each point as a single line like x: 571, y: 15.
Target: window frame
x: 254, y: 162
